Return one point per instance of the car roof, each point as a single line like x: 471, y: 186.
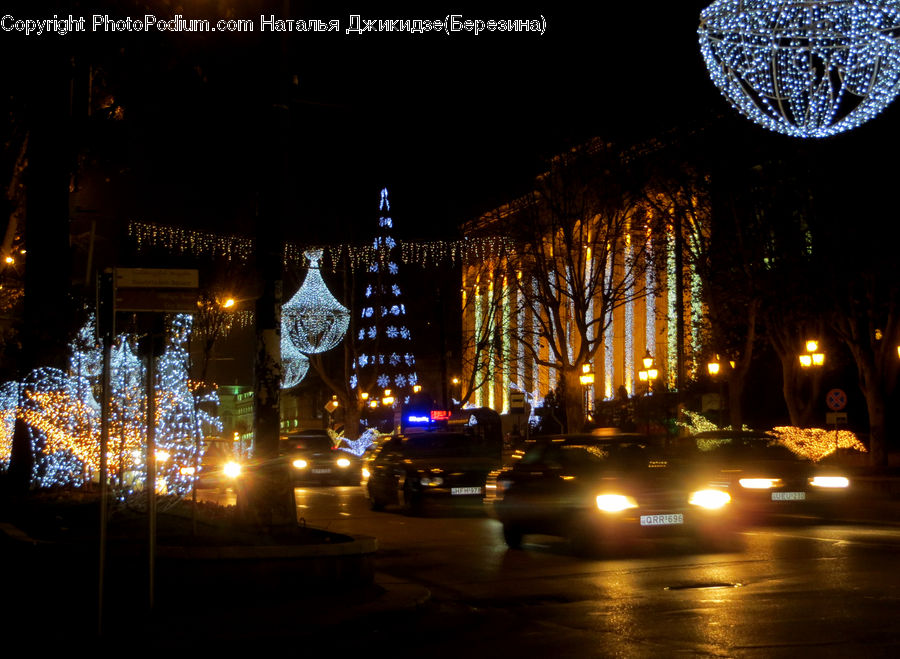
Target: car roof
x: 733, y: 434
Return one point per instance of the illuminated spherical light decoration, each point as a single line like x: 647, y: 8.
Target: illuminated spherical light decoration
x: 315, y: 321
x: 801, y: 67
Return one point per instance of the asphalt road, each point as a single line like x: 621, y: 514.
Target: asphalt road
x: 795, y: 588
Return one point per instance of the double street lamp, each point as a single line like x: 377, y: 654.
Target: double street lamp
x: 647, y: 375
x: 587, y: 379
x: 649, y: 372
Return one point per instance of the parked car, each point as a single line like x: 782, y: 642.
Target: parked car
x: 764, y: 478
x: 602, y: 492
x: 430, y: 468
x: 315, y: 458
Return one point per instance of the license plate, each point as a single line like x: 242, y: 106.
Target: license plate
x: 322, y: 470
x: 788, y: 496
x: 464, y: 490
x: 662, y: 520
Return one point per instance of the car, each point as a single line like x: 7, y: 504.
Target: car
x: 764, y: 478
x: 219, y: 464
x: 431, y: 469
x: 314, y: 458
x: 602, y: 493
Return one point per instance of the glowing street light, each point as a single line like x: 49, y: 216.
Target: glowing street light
x: 649, y: 373
x: 812, y: 357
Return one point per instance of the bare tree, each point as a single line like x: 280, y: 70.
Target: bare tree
x: 482, y: 309
x: 581, y: 252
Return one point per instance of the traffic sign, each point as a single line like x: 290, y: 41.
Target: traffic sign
x: 157, y: 278
x: 836, y: 400
x: 516, y: 402
x: 167, y: 301
x: 836, y: 418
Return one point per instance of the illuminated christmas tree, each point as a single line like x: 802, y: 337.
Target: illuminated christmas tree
x: 386, y: 359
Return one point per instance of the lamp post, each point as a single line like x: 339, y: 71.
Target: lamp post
x: 647, y: 375
x: 713, y: 367
x: 812, y: 358
x: 587, y: 379
x: 456, y: 388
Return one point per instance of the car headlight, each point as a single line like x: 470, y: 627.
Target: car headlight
x: 431, y: 481
x: 366, y: 473
x: 299, y: 464
x: 709, y: 499
x: 615, y: 503
x: 760, y: 483
x: 232, y: 469
x: 830, y: 481
x: 343, y: 462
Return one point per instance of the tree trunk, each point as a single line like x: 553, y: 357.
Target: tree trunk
x: 573, y: 399
x: 871, y: 385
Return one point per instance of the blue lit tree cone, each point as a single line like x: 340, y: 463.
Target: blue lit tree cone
x: 315, y: 321
x: 804, y: 68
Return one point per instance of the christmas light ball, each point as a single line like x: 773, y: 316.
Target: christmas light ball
x: 804, y: 68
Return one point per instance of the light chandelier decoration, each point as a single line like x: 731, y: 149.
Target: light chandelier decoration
x: 294, y: 364
x: 804, y: 68
x: 315, y: 321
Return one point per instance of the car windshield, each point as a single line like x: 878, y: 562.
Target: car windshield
x: 588, y: 455
x: 744, y: 448
x: 310, y: 443
x: 450, y: 445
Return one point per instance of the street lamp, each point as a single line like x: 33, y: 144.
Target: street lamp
x: 812, y: 357
x: 649, y: 373
x: 387, y: 399
x: 714, y: 367
x: 587, y: 379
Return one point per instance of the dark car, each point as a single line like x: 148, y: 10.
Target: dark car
x: 314, y: 458
x: 220, y: 465
x: 602, y: 493
x: 434, y: 468
x: 765, y: 478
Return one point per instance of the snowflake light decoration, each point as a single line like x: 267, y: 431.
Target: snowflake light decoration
x: 314, y: 319
x: 804, y: 68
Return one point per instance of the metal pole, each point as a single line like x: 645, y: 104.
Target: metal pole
x: 151, y: 467
x: 104, y: 477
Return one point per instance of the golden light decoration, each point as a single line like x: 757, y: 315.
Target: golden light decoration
x: 816, y: 443
x: 178, y: 240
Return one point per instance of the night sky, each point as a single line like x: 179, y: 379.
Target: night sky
x: 453, y: 124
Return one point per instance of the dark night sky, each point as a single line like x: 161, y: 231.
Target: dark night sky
x: 451, y: 123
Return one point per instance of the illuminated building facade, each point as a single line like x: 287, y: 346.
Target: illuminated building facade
x: 636, y: 306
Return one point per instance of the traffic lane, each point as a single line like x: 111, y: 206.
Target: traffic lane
x: 784, y: 590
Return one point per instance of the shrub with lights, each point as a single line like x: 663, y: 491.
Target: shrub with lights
x: 817, y: 443
x: 62, y: 414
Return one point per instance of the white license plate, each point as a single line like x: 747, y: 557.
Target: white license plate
x: 788, y: 496
x: 464, y: 490
x: 322, y: 470
x: 662, y: 520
